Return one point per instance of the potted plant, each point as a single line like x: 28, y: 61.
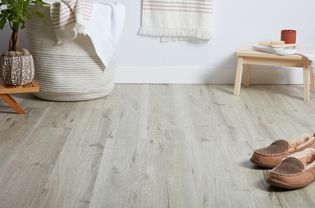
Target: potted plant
x: 16, y: 64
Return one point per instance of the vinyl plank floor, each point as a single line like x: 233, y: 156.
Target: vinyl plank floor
x: 151, y: 146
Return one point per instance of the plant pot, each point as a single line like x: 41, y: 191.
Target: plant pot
x: 17, y: 67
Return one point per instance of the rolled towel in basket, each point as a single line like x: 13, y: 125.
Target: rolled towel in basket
x: 103, y: 23
x: 69, y: 18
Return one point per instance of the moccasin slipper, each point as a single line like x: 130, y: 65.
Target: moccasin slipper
x: 272, y: 155
x: 295, y: 171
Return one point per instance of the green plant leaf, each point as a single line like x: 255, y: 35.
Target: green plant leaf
x: 3, y: 21
x: 16, y: 12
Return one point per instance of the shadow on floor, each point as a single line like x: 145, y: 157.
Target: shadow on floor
x: 6, y: 109
x: 261, y: 183
x: 249, y: 165
x: 264, y: 186
x: 228, y: 89
x: 282, y: 90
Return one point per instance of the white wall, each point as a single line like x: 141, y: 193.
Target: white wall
x: 238, y: 24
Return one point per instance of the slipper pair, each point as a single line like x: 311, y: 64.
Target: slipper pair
x: 293, y: 162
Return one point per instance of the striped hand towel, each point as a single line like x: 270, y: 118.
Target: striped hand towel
x: 177, y: 20
x: 102, y: 23
x: 69, y: 18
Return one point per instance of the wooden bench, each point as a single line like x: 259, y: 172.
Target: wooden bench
x: 250, y: 57
x: 5, y: 92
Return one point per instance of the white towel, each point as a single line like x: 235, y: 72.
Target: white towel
x: 103, y: 23
x: 105, y: 29
x: 177, y: 20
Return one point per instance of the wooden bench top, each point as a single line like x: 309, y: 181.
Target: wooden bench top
x: 257, y: 54
x: 32, y: 87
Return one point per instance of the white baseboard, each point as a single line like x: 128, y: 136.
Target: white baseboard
x: 200, y: 75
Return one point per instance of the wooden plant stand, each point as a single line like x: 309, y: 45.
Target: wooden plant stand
x: 250, y: 57
x: 5, y: 92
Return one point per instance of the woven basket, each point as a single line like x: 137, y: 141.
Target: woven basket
x: 66, y: 72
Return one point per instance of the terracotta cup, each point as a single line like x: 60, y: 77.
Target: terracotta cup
x: 288, y: 36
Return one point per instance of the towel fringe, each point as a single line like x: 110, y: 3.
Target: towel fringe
x: 175, y: 33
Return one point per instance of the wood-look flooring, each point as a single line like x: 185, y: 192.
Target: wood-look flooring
x: 164, y: 146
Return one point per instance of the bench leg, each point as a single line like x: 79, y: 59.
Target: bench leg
x: 312, y: 81
x: 307, y: 80
x: 247, y: 75
x: 10, y: 101
x: 238, y: 77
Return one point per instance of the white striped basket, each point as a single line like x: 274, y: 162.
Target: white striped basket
x: 66, y: 72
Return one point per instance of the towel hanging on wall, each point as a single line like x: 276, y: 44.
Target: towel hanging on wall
x: 177, y: 20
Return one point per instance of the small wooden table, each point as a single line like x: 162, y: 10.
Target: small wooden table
x: 251, y: 57
x: 5, y: 92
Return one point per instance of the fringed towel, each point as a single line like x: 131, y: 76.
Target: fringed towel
x: 103, y: 23
x: 177, y: 20
x: 69, y: 18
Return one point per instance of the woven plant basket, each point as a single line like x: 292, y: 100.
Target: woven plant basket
x: 66, y: 72
x: 17, y: 67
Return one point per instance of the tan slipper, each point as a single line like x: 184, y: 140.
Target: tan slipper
x: 272, y: 155
x: 295, y: 171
